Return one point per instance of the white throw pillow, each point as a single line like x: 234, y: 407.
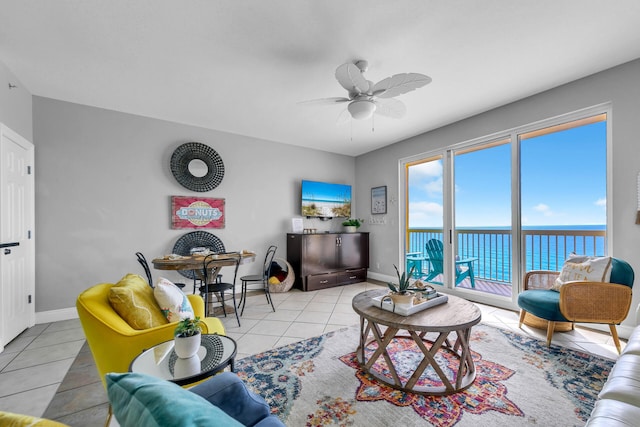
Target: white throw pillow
x: 172, y: 301
x: 584, y: 268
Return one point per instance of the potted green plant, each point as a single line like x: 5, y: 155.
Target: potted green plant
x: 352, y: 224
x: 402, y: 293
x: 187, y: 336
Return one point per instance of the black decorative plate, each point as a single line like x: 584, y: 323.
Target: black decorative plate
x: 215, y: 350
x: 184, y: 154
x: 196, y: 239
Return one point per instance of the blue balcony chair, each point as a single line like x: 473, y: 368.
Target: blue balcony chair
x: 435, y: 253
x: 415, y: 260
x: 580, y: 301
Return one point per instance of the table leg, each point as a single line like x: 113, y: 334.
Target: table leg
x: 460, y: 349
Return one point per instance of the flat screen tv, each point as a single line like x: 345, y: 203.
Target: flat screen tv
x: 326, y: 200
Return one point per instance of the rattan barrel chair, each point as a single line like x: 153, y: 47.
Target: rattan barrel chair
x: 577, y: 302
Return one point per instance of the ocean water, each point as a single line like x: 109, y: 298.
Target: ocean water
x: 546, y: 247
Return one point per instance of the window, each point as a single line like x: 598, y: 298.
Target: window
x: 510, y: 203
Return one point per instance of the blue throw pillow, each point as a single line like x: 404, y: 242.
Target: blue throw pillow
x: 144, y: 401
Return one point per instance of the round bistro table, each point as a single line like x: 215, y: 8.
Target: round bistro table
x: 215, y: 354
x: 456, y: 315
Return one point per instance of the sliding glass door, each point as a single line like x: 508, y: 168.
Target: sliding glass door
x: 424, y: 214
x: 482, y: 226
x: 481, y: 214
x: 563, y: 179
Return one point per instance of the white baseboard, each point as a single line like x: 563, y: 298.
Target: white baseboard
x: 56, y: 315
x: 381, y: 277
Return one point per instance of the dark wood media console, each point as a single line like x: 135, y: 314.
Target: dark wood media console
x: 324, y: 260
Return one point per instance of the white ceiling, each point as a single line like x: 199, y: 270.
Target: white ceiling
x: 243, y: 66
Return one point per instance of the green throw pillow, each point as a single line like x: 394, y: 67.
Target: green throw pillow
x: 144, y: 401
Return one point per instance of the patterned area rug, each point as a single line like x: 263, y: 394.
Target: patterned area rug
x: 519, y: 381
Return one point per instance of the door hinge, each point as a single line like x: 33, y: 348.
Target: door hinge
x: 28, y: 170
x: 29, y: 299
x: 28, y: 234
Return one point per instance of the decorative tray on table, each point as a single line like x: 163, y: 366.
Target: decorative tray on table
x: 403, y: 310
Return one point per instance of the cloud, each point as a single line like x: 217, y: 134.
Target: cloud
x: 434, y: 188
x: 425, y: 214
x: 601, y: 202
x: 428, y: 169
x: 427, y: 177
x: 543, y: 209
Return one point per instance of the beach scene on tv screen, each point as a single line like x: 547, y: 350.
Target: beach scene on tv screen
x: 321, y: 199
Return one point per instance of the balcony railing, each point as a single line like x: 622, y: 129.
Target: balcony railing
x: 544, y: 249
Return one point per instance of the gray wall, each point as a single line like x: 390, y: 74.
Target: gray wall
x: 103, y: 188
x: 619, y: 85
x: 15, y: 104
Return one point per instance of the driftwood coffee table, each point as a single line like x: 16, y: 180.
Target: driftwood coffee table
x: 456, y: 316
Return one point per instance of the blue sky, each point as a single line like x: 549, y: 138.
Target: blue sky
x: 324, y: 191
x: 563, y: 182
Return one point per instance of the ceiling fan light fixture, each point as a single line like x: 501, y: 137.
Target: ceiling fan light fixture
x: 361, y: 110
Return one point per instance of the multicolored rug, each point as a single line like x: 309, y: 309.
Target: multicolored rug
x: 318, y: 382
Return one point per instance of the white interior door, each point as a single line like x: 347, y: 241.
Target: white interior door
x: 17, y: 249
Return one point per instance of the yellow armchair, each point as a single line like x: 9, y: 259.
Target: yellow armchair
x: 113, y: 342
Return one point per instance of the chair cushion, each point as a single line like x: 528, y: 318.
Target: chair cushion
x: 144, y: 401
x: 584, y: 268
x: 18, y: 420
x: 173, y: 303
x: 132, y: 298
x: 542, y: 303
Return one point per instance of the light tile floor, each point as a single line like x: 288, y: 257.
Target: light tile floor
x: 35, y: 363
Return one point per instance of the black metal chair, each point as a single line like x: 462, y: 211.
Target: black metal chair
x: 197, y: 239
x: 218, y: 288
x: 143, y: 262
x: 259, y: 278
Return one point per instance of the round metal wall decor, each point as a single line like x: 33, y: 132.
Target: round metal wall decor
x: 191, y: 156
x: 196, y: 239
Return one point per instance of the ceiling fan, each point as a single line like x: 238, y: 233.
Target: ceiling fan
x: 365, y: 97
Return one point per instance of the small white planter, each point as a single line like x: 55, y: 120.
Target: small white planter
x: 186, y: 347
x: 403, y: 300
x: 350, y: 228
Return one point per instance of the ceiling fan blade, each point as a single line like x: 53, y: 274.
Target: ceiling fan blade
x: 325, y: 101
x: 399, y: 84
x: 350, y: 77
x: 390, y: 107
x: 343, y: 118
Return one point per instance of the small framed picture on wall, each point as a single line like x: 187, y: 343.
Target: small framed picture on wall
x: 379, y: 200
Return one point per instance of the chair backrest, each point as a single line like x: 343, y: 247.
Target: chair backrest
x: 621, y: 272
x: 435, y: 249
x: 196, y: 239
x: 143, y: 262
x: 210, y: 259
x: 268, y: 260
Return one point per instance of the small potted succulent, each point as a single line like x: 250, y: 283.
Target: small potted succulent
x: 402, y: 293
x: 188, y: 334
x: 352, y: 224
